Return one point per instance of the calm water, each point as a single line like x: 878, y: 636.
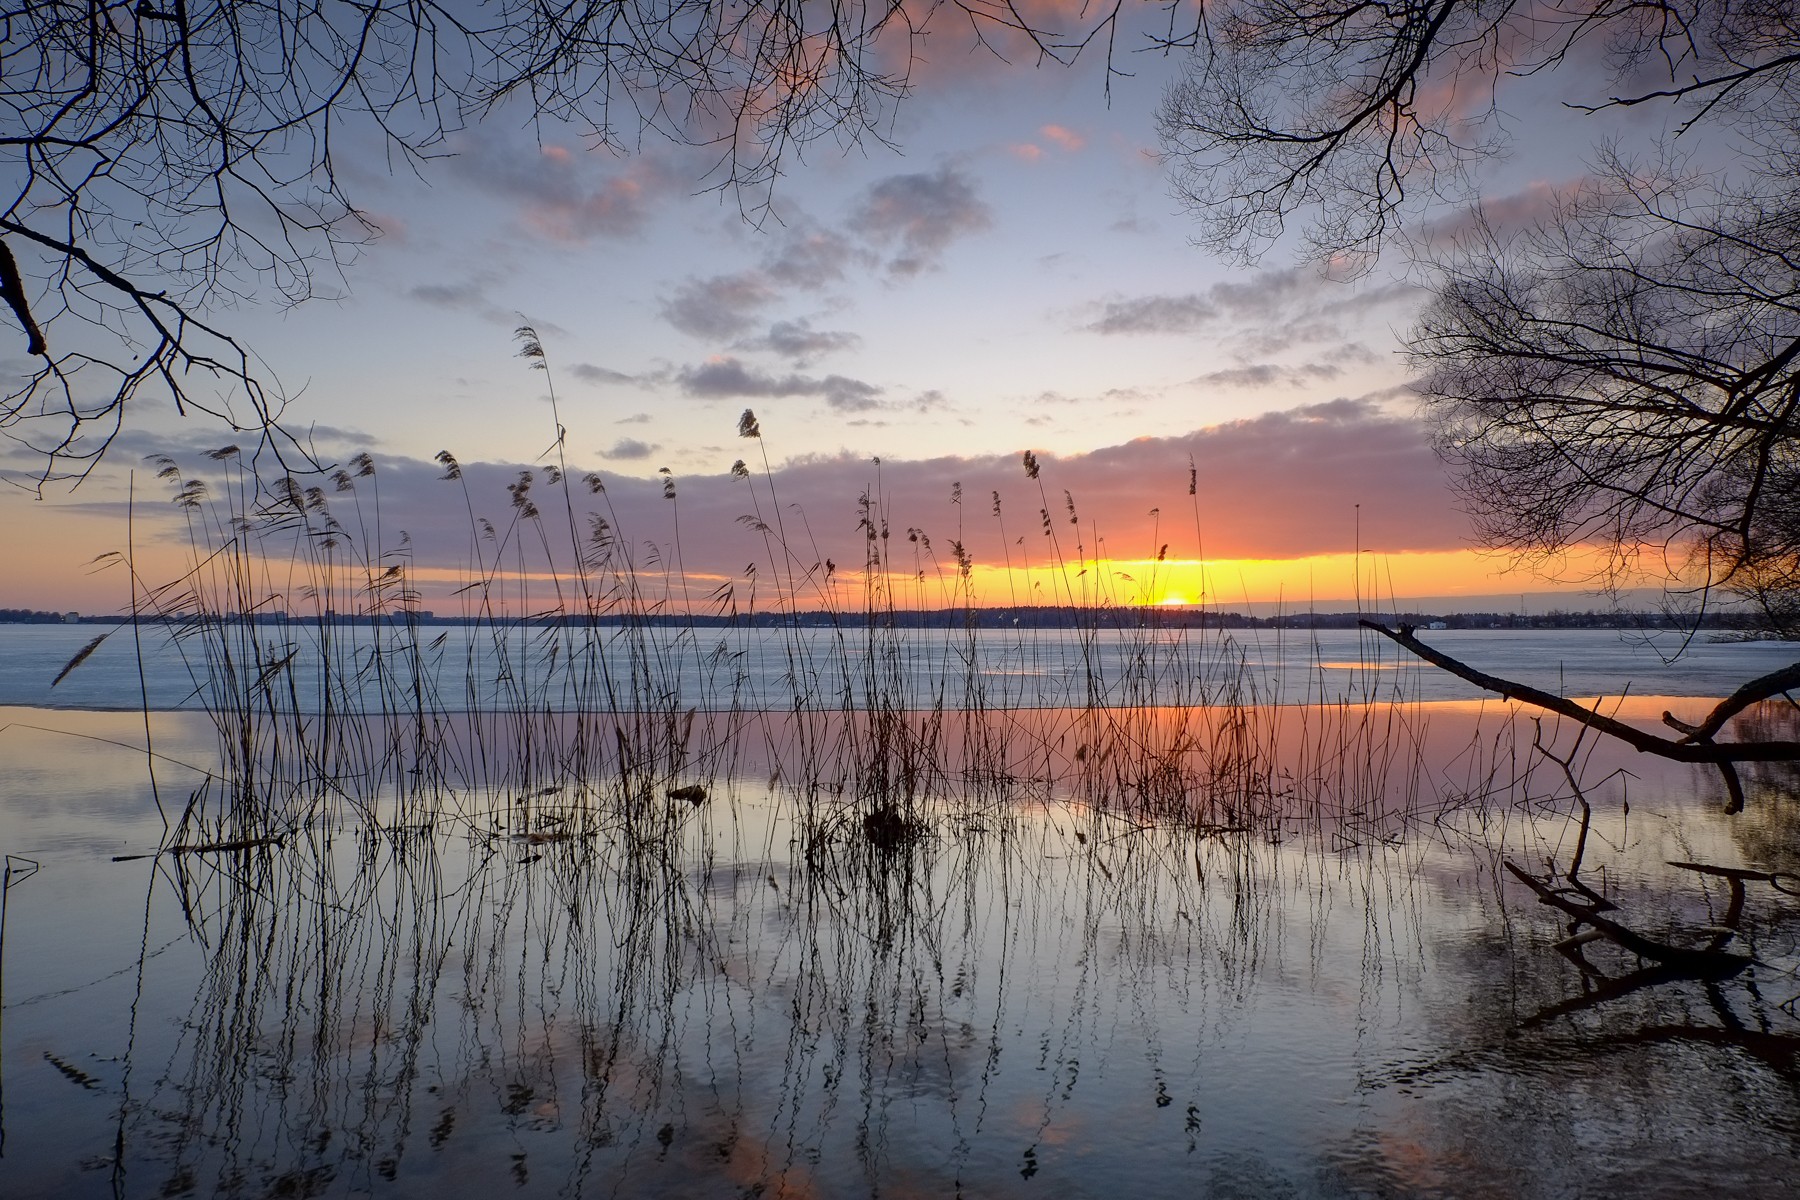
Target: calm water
x: 1040, y: 998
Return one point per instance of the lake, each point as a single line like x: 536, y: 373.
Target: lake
x: 1265, y: 948
x: 766, y: 667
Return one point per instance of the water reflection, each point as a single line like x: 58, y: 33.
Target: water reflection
x: 1045, y: 997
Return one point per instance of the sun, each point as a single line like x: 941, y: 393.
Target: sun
x: 1166, y: 601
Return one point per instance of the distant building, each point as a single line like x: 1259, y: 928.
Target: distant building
x: 1438, y: 625
x: 71, y: 618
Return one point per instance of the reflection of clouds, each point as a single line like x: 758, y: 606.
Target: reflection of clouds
x: 642, y: 1007
x: 1533, y: 1077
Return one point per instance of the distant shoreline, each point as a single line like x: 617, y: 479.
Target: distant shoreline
x: 1040, y: 617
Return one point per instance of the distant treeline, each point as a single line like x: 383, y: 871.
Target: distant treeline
x: 30, y: 616
x: 1043, y: 617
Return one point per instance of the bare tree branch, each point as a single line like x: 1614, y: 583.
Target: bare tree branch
x: 1685, y: 750
x: 168, y: 158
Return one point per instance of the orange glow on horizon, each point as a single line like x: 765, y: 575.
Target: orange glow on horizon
x: 1392, y: 582
x: 1384, y: 581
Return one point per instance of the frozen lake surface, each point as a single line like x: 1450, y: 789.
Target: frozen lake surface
x: 465, y: 666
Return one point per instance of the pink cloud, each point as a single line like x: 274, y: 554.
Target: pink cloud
x: 1282, y: 485
x: 565, y: 196
x: 1521, y: 209
x: 1067, y: 138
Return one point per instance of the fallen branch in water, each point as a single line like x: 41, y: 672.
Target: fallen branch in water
x: 1695, y: 745
x: 1763, y: 687
x: 1688, y: 749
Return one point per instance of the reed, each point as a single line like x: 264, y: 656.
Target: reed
x: 588, y: 678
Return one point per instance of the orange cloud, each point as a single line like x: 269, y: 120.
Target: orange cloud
x: 1067, y: 138
x: 1279, y: 508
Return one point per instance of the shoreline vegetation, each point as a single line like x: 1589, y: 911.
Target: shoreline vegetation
x: 592, y: 662
x: 591, y: 690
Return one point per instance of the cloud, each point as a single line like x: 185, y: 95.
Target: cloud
x: 569, y: 196
x: 799, y: 342
x: 1155, y: 314
x: 805, y: 257
x: 1352, y: 352
x: 449, y: 295
x: 1265, y: 298
x: 718, y: 307
x: 809, y: 257
x: 1530, y: 205
x: 1067, y: 138
x: 849, y: 395
x: 1266, y: 313
x: 729, y: 377
x: 920, y: 214
x: 629, y: 448
x: 1258, y: 375
x: 1278, y: 337
x: 589, y: 373
x: 474, y: 295
x: 907, y: 219
x: 619, y: 205
x: 1280, y: 485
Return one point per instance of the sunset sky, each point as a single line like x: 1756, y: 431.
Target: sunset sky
x: 1014, y: 275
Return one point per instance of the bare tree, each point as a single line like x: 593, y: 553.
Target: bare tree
x: 1351, y: 116
x: 167, y: 160
x: 1625, y: 374
x: 1617, y: 371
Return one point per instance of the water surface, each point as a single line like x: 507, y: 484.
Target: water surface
x: 1041, y: 997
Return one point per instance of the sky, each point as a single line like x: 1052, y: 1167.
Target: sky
x: 1012, y: 273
